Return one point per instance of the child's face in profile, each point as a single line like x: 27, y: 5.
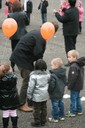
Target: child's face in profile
x: 71, y: 58
x: 54, y: 65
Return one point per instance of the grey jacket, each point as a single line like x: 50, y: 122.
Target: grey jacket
x: 38, y: 86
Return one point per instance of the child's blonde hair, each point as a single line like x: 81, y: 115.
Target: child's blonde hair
x: 57, y: 61
x: 73, y: 53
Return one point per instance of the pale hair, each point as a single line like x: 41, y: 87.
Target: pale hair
x: 57, y: 61
x: 73, y: 53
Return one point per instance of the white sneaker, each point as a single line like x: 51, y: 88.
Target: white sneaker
x: 62, y: 118
x: 52, y: 120
x: 79, y: 113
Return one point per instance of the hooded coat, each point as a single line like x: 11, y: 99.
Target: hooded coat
x: 76, y: 75
x: 57, y: 84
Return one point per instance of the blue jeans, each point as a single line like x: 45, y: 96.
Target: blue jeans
x: 57, y: 109
x: 44, y: 17
x: 75, y: 102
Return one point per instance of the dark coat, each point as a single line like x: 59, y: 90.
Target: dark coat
x: 22, y: 20
x: 57, y: 84
x: 43, y: 6
x: 70, y: 21
x: 30, y: 48
x: 29, y: 5
x: 9, y: 98
x: 76, y: 75
x: 0, y: 4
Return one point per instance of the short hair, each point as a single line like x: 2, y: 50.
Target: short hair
x: 55, y: 26
x: 16, y: 6
x: 72, y: 2
x: 73, y: 53
x: 40, y: 65
x: 57, y: 61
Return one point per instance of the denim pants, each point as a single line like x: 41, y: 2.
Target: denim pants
x: 44, y: 17
x: 57, y: 109
x: 75, y: 102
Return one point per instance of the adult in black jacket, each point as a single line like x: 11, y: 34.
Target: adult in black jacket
x: 43, y: 7
x: 29, y: 5
x: 29, y: 49
x: 22, y: 21
x: 70, y: 21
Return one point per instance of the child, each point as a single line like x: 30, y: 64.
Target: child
x: 56, y: 89
x: 81, y: 12
x: 75, y: 82
x: 38, y: 92
x: 63, y: 6
x: 9, y: 99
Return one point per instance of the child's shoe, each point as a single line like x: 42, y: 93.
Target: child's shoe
x: 69, y: 114
x: 79, y: 113
x: 52, y: 120
x: 61, y: 118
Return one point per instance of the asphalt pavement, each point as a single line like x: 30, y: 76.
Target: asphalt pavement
x: 55, y: 48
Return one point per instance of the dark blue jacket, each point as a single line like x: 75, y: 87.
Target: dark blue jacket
x: 57, y: 83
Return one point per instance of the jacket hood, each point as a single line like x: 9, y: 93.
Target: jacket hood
x: 81, y: 61
x: 60, y: 72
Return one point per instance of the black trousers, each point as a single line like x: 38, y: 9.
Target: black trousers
x: 13, y: 45
x: 70, y: 43
x: 80, y: 26
x: 40, y: 111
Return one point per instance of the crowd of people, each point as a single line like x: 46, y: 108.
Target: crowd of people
x: 39, y: 85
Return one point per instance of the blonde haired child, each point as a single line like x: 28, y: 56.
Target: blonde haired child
x: 56, y: 89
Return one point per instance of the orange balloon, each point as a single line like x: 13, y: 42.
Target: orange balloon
x: 12, y: 1
x: 47, y: 30
x: 9, y: 27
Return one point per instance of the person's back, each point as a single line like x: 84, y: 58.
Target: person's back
x: 9, y: 98
x: 38, y: 92
x: 18, y: 15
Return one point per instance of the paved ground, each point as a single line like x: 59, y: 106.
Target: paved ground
x: 55, y: 48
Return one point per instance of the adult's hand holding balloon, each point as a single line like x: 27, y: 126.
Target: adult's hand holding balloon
x: 9, y: 27
x: 47, y: 30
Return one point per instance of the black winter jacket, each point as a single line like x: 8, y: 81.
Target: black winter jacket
x: 76, y: 75
x: 9, y: 98
x: 43, y: 6
x: 29, y: 6
x: 29, y: 49
x: 57, y: 83
x: 70, y: 21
